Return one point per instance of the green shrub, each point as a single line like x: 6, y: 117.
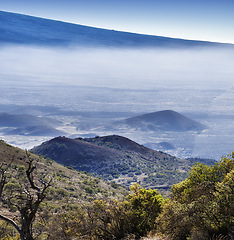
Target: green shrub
x: 202, y: 205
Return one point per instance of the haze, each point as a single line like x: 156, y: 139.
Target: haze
x: 92, y: 87
x: 119, y: 68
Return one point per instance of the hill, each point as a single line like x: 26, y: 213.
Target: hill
x: 118, y: 159
x: 69, y: 191
x: 28, y: 125
x: 25, y: 120
x: 23, y: 29
x: 35, y: 131
x: 166, y: 120
x: 68, y: 184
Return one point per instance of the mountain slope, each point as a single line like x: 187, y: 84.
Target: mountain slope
x: 23, y: 29
x: 117, y: 158
x: 35, y: 131
x: 68, y: 184
x: 166, y: 120
x: 69, y: 191
x: 24, y: 120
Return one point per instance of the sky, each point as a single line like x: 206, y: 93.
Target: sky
x: 209, y: 20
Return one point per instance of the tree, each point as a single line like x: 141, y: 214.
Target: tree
x: 111, y: 219
x: 202, y: 206
x: 136, y: 215
x: 145, y: 206
x: 25, y: 199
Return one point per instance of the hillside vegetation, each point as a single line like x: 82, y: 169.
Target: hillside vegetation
x: 76, y: 205
x: 118, y: 159
x: 76, y: 184
x: 69, y: 189
x: 202, y: 206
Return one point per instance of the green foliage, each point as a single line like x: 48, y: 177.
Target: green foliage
x: 202, y: 205
x: 135, y: 215
x: 110, y: 219
x: 69, y: 225
x: 6, y: 232
x: 145, y: 206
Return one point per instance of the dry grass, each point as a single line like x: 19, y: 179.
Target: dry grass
x: 79, y: 186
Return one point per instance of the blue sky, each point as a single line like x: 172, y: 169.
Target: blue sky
x: 211, y: 20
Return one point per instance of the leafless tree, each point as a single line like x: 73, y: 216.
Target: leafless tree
x: 27, y: 201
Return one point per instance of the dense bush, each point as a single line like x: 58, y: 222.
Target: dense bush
x: 111, y: 219
x: 202, y: 206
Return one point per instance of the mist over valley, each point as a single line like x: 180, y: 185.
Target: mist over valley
x: 89, y: 87
x: 90, y: 112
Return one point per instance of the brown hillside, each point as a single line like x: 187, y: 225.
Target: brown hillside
x: 118, y: 159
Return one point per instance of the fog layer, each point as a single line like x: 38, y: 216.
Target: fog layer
x: 118, y: 68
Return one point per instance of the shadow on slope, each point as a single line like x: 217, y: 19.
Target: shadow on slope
x: 118, y: 159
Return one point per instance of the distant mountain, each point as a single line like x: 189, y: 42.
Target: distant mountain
x: 23, y: 29
x: 24, y: 120
x: 35, y: 131
x: 118, y: 159
x: 166, y: 120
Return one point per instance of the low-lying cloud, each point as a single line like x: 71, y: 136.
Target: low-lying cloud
x: 119, y: 68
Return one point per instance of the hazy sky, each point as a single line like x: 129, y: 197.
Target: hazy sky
x: 211, y: 20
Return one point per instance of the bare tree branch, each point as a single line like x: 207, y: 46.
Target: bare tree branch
x: 27, y: 200
x: 3, y: 175
x: 29, y: 172
x: 13, y: 224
